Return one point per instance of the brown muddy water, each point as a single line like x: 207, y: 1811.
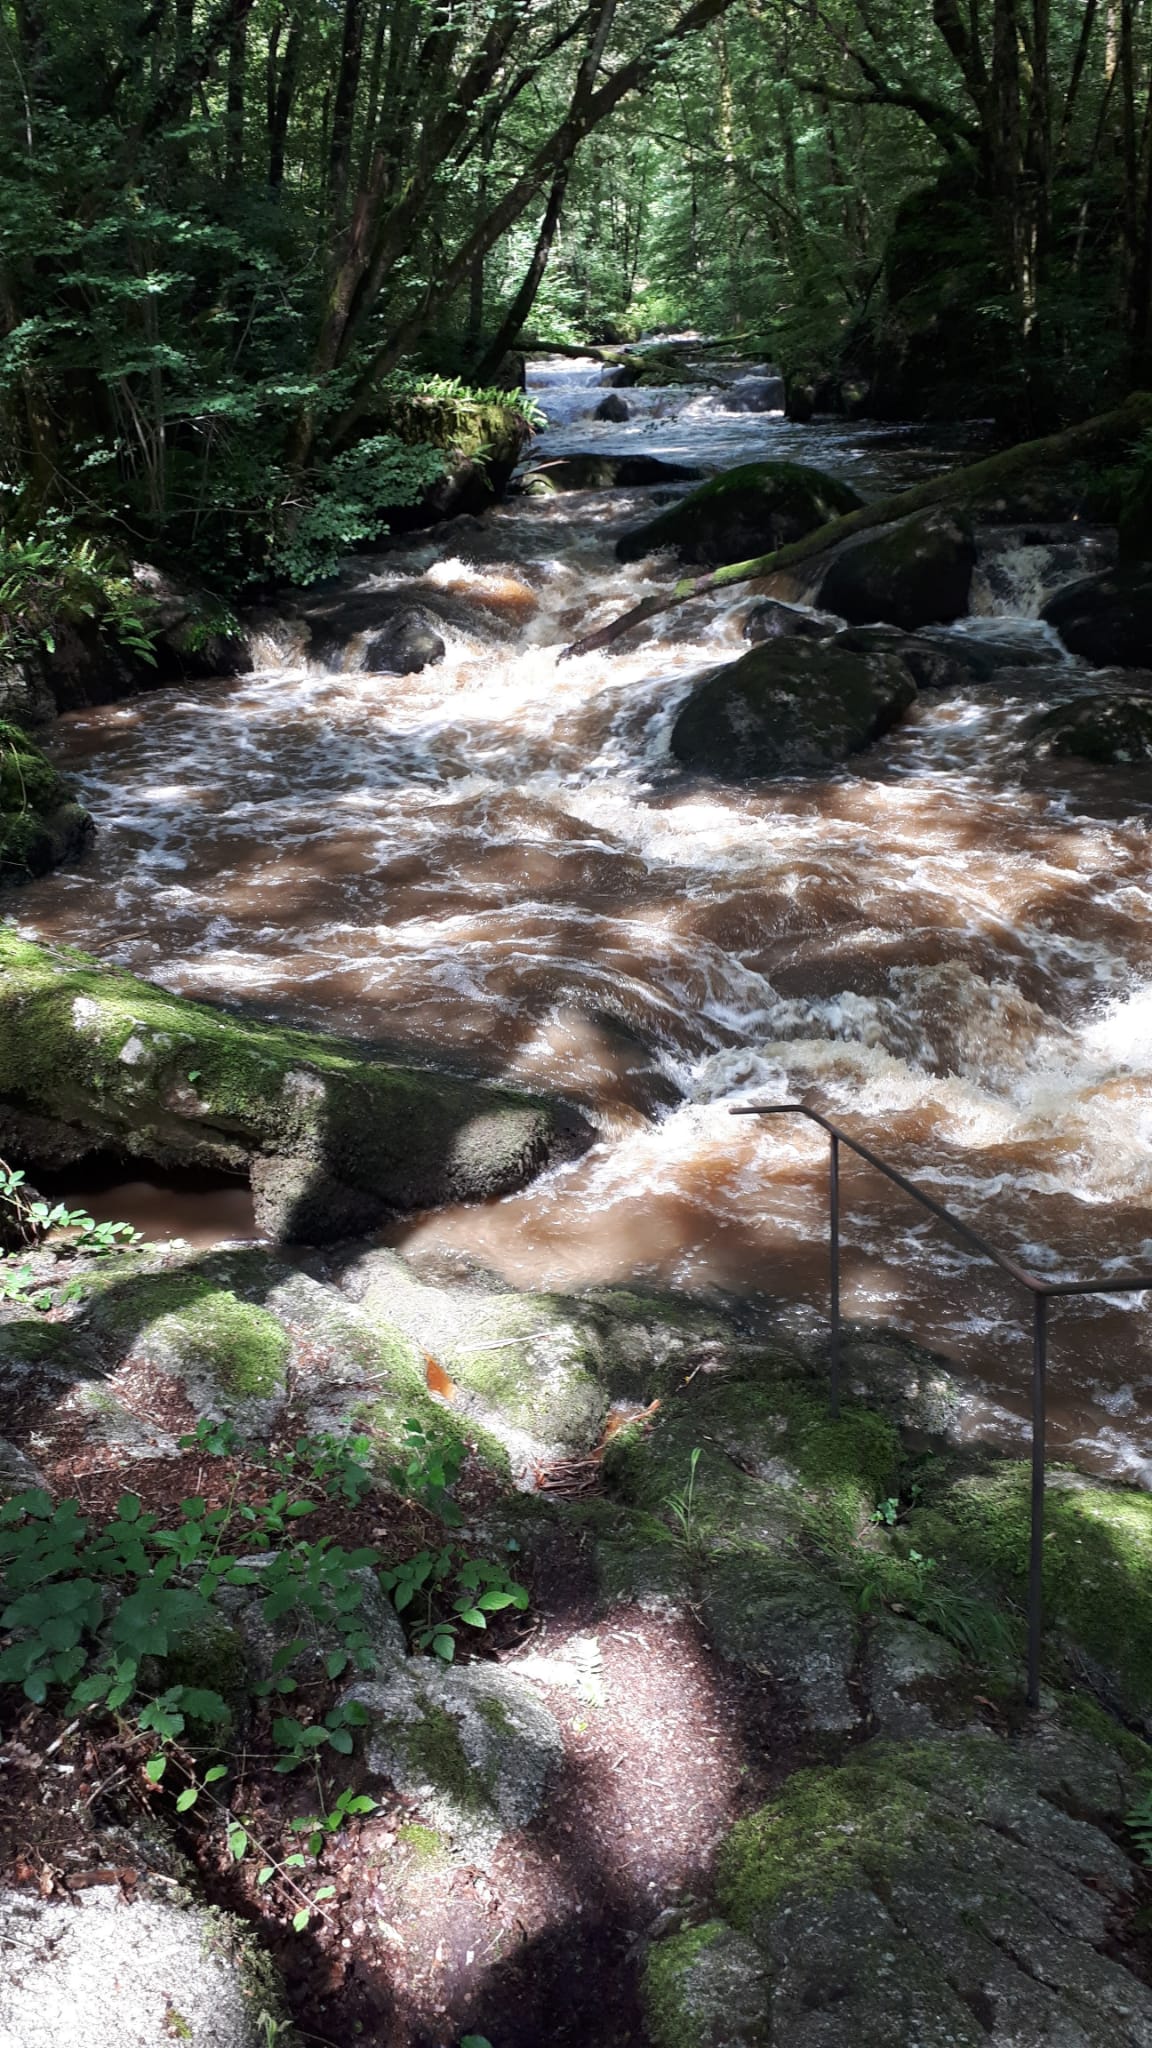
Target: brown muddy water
x: 496, y: 863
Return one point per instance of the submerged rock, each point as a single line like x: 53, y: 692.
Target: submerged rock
x: 755, y: 394
x: 613, y: 472
x: 743, y: 512
x: 791, y: 707
x: 1114, y: 728
x: 330, y: 1135
x: 1107, y: 619
x: 916, y: 572
x: 771, y: 619
x: 613, y: 409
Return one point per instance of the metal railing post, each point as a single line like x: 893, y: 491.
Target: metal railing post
x: 1041, y: 1289
x: 1036, y: 1543
x: 834, y: 1271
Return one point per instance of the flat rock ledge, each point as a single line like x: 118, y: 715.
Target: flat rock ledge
x: 332, y: 1136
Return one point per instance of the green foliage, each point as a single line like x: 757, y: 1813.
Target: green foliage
x: 55, y: 574
x: 913, y: 1585
x: 682, y: 1506
x: 429, y: 1469
x: 344, y: 502
x: 31, y: 1219
x: 437, y: 1592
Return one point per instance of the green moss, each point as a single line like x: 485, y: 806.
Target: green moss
x: 1097, y: 1560
x: 666, y: 2007
x: 433, y: 1748
x: 766, y: 1450
x: 757, y: 506
x: 826, y: 1830
x: 492, y: 1711
x: 1088, y: 1717
x: 242, y: 1346
x: 419, y: 1841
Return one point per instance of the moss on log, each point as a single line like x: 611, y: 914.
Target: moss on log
x: 990, y: 489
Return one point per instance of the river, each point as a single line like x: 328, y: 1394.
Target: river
x: 497, y: 863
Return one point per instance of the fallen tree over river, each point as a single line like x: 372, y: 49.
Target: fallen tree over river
x: 1040, y: 480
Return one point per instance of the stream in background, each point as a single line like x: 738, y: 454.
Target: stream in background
x: 495, y: 862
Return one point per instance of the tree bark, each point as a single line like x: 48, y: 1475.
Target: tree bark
x: 508, y: 333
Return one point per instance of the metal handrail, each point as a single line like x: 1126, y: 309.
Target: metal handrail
x: 1041, y: 1290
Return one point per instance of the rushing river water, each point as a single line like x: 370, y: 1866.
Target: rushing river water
x: 947, y: 946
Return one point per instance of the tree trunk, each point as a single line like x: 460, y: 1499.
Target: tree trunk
x: 508, y: 333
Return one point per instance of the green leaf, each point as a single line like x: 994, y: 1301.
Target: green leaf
x: 187, y: 1798
x: 326, y: 1891
x: 238, y: 1840
x: 155, y: 1768
x: 264, y: 1876
x: 300, y: 1920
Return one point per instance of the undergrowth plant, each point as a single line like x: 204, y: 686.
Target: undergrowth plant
x: 31, y: 1219
x: 93, y: 1611
x: 52, y: 575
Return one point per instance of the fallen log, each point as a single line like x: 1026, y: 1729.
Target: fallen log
x: 974, y: 488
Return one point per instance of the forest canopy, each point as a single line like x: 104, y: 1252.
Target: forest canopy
x: 239, y: 237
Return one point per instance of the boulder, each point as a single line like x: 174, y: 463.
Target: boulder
x: 194, y: 635
x: 615, y: 472
x: 755, y: 394
x: 791, y: 707
x: 41, y: 824
x: 946, y: 1892
x: 101, y: 1971
x: 472, y: 1743
x: 1107, y: 619
x: 1114, y: 729
x: 741, y: 513
x: 773, y: 620
x: 916, y: 572
x: 331, y: 1135
x: 405, y: 646
x: 613, y: 409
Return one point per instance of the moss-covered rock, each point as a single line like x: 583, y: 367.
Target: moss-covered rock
x: 741, y: 513
x: 1097, y: 1564
x: 706, y: 1987
x: 41, y: 825
x: 790, y: 707
x: 916, y: 572
x: 1113, y: 728
x: 331, y: 1136
x: 472, y: 1743
x: 945, y: 1892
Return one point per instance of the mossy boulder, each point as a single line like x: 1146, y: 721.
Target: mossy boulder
x: 471, y: 1743
x: 741, y: 513
x: 1107, y: 619
x: 790, y: 707
x: 1113, y: 728
x: 331, y: 1135
x: 706, y: 1987
x: 945, y: 1892
x: 1097, y: 1565
x: 916, y: 572
x: 41, y: 824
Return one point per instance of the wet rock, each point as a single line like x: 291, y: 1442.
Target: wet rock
x: 707, y: 1988
x: 743, y: 512
x: 100, y: 1971
x: 1107, y: 619
x: 194, y: 635
x: 472, y: 1743
x: 938, y: 1892
x: 407, y: 644
x: 916, y: 572
x: 25, y: 697
x: 792, y: 707
x: 771, y: 619
x: 41, y: 825
x: 1113, y: 728
x: 755, y: 394
x: 136, y: 1069
x: 900, y: 1660
x: 614, y: 472
x: 1019, y: 568
x: 613, y: 409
